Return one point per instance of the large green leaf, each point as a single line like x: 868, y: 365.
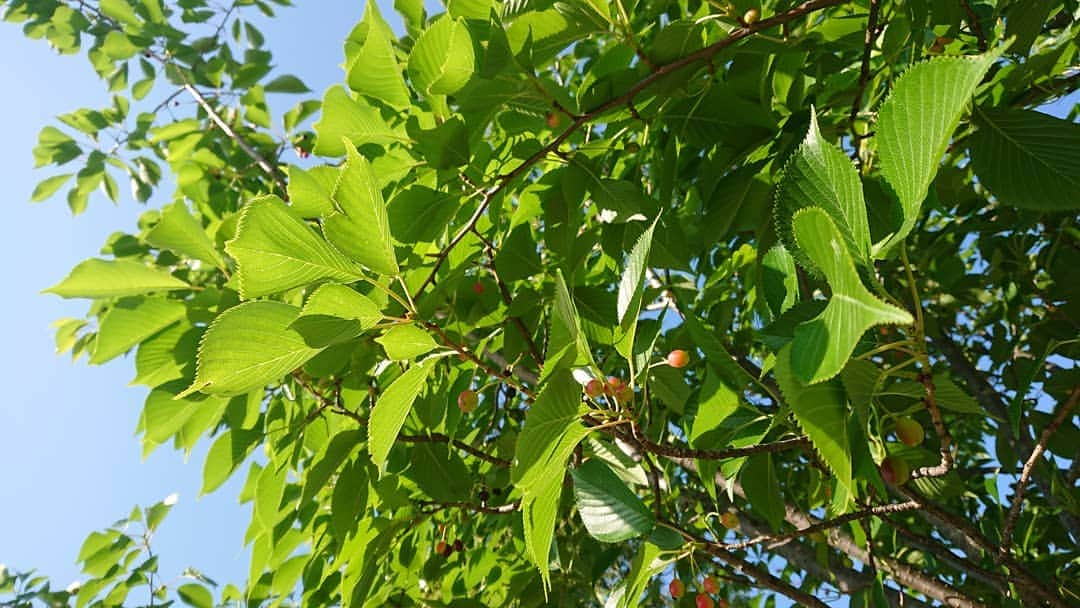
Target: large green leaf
x: 779, y: 280
x: 439, y: 472
x: 309, y: 191
x: 227, y: 452
x: 567, y: 344
x: 163, y: 415
x: 914, y: 127
x: 610, y: 510
x: 375, y: 71
x: 405, y: 342
x: 1027, y: 159
x: 552, y: 430
x: 628, y: 304
x: 367, y: 237
x: 821, y: 410
x: 646, y: 564
x: 340, y: 448
x: 419, y: 213
x: 819, y: 174
x: 178, y: 231
x: 96, y: 278
x: 822, y: 345
x: 276, y: 251
x: 335, y: 313
x: 248, y: 347
x: 392, y: 408
x: 762, y: 489
x: 443, y: 59
x: 358, y: 122
x: 539, y: 510
x: 132, y: 320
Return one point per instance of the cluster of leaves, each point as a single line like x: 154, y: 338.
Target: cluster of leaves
x: 439, y: 353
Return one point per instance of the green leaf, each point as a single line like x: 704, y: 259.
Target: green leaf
x: 763, y: 489
x: 118, y: 47
x: 375, y: 71
x: 442, y: 60
x: 439, y: 472
x: 779, y: 280
x: 286, y: 83
x: 195, y: 595
x: 567, y: 344
x: 349, y: 499
x: 1027, y: 159
x: 646, y: 564
x: 363, y: 231
x: 132, y: 320
x: 403, y: 342
x: 48, y: 187
x: 276, y: 251
x: 178, y: 231
x: 823, y: 344
x: 164, y: 415
x: 392, y: 408
x: 342, y: 117
x: 820, y: 175
x: 166, y: 356
x: 334, y: 314
x: 248, y: 347
x: 610, y: 510
x: 518, y: 257
x: 96, y: 278
x: 914, y: 127
x: 269, y: 489
x: 120, y: 10
x: 552, y: 430
x: 228, y: 451
x: 628, y: 303
x: 309, y: 191
x: 420, y: 214
x: 821, y: 410
x: 539, y: 510
x: 340, y: 448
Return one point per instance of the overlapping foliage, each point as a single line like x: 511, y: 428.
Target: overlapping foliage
x: 436, y: 348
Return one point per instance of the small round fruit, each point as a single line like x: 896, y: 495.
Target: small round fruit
x: 458, y: 545
x: 678, y: 358
x: 751, y: 16
x: 442, y: 548
x: 594, y: 388
x: 624, y: 395
x: 676, y: 588
x: 704, y: 601
x: 478, y: 288
x: 722, y: 603
x: 710, y: 585
x: 895, y: 471
x: 729, y: 520
x: 909, y: 431
x: 552, y: 120
x: 613, y: 385
x: 467, y: 401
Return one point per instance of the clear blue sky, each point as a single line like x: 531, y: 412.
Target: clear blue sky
x: 70, y: 458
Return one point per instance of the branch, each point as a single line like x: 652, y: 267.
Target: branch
x: 626, y: 98
x: 776, y: 540
x: 1036, y: 455
x: 266, y: 167
x: 973, y: 21
x: 864, y: 68
x: 469, y: 506
x: 461, y: 445
x: 680, y: 452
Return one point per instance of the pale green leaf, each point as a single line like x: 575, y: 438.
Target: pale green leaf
x: 552, y: 430
x: 375, y: 71
x: 358, y: 122
x: 96, y: 278
x: 539, y: 510
x: 631, y: 289
x: 915, y: 125
x: 822, y: 345
x: 132, y: 320
x: 779, y: 280
x: 335, y: 313
x: 392, y: 408
x: 403, y: 342
x: 356, y: 194
x: 821, y: 410
x: 181, y: 233
x: 248, y: 347
x: 1027, y: 159
x: 819, y: 174
x: 442, y: 60
x: 276, y: 251
x: 227, y: 452
x: 49, y: 186
x: 167, y: 356
x: 120, y: 10
x: 163, y: 415
x: 195, y: 595
x: 309, y: 191
x: 340, y: 448
x: 610, y: 510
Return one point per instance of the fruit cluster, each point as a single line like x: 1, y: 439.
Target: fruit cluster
x: 709, y: 588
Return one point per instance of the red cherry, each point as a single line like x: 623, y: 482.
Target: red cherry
x: 552, y: 120
x: 442, y: 548
x: 722, y: 603
x: 729, y: 520
x: 710, y: 585
x: 613, y: 385
x: 458, y: 545
x: 594, y: 388
x: 478, y: 288
x: 467, y: 401
x: 895, y: 470
x: 676, y: 588
x: 703, y: 601
x: 678, y: 358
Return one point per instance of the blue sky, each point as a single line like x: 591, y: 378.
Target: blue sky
x: 71, y: 460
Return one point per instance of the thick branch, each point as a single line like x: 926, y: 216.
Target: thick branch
x: 776, y: 540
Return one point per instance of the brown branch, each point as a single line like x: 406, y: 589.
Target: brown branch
x: 945, y: 554
x: 762, y: 577
x: 263, y: 164
x: 461, y: 445
x: 469, y: 506
x: 469, y: 355
x: 973, y: 21
x: 945, y: 449
x: 864, y: 68
x: 628, y: 97
x: 1036, y: 456
x: 680, y: 452
x: 508, y: 299
x: 775, y: 540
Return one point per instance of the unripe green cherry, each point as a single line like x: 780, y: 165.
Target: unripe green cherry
x: 895, y: 470
x: 909, y: 431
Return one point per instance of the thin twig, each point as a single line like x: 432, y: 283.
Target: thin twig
x: 973, y: 21
x: 665, y: 70
x: 864, y: 68
x: 775, y: 540
x: 461, y: 445
x: 1036, y: 455
x: 681, y: 452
